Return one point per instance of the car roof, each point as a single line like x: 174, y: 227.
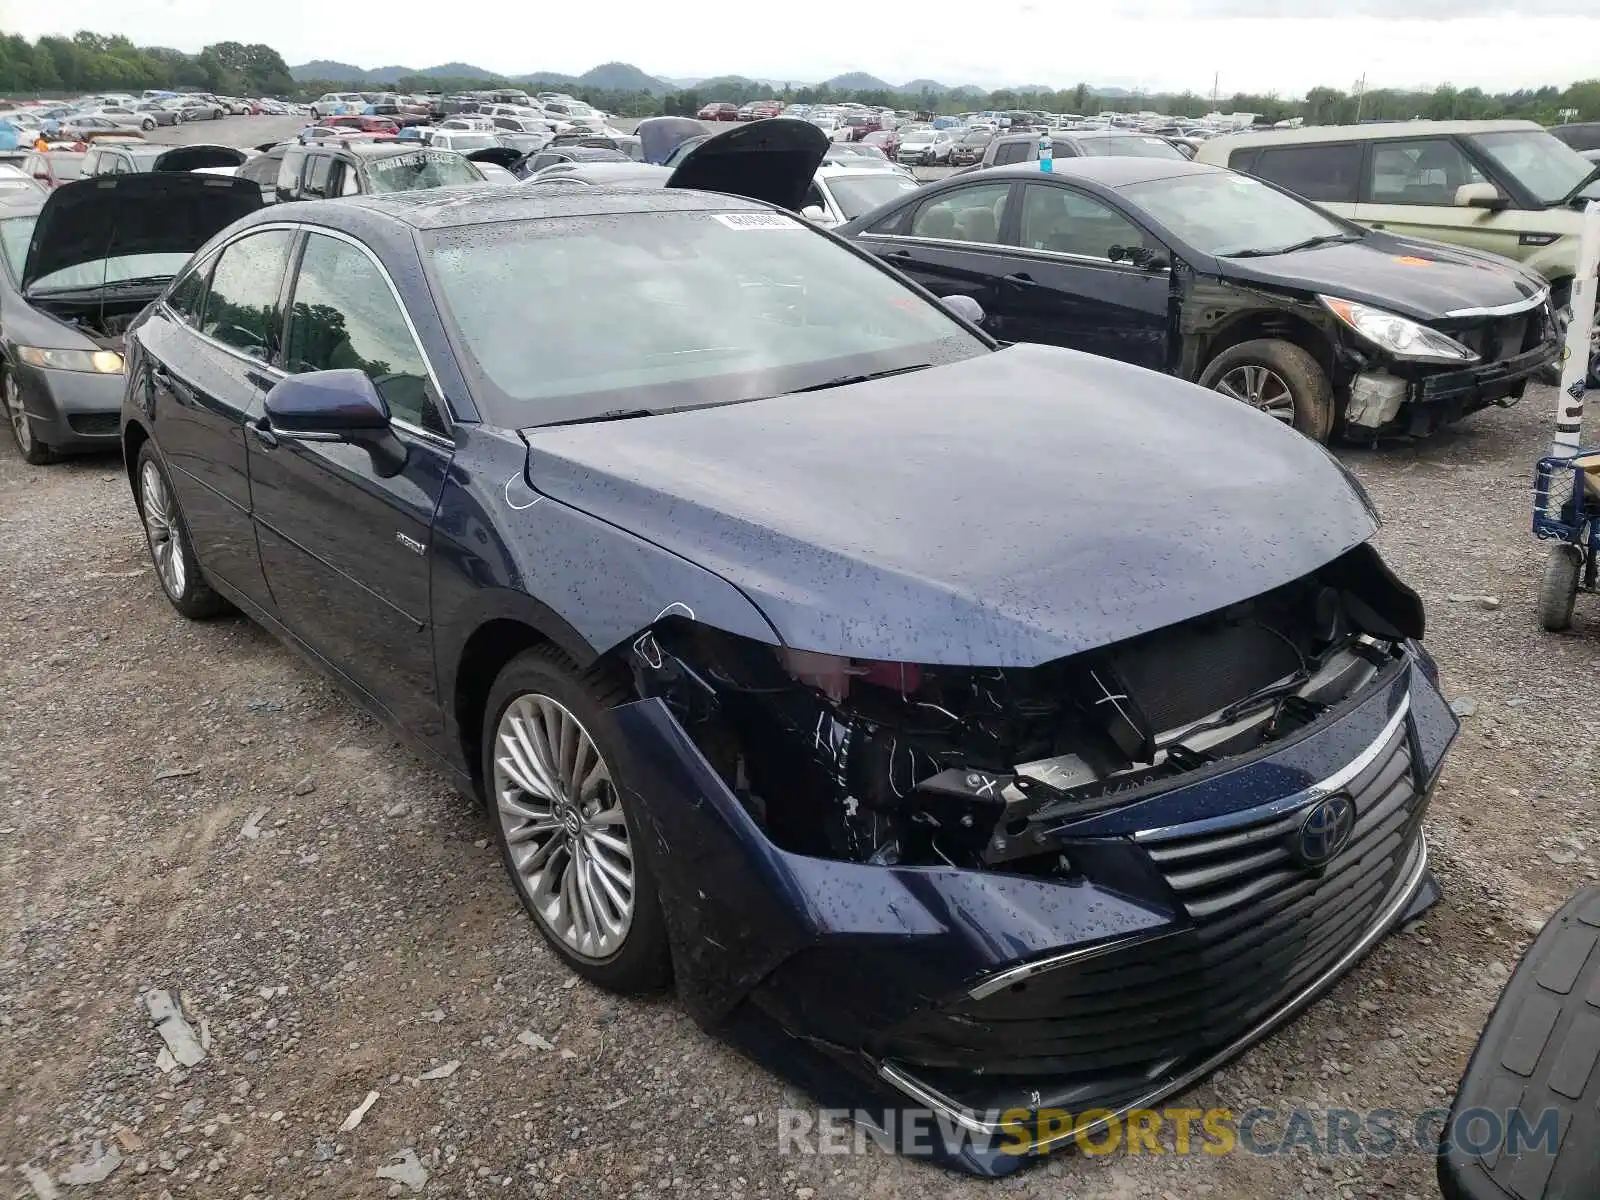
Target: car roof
x: 448, y: 208
x: 20, y: 202
x: 1109, y: 171
x: 1370, y: 131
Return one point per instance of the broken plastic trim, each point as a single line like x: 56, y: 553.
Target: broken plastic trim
x: 901, y: 763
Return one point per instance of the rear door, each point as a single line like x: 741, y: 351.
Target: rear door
x: 1328, y: 174
x: 207, y: 354
x: 951, y: 244
x: 346, y: 550
x: 1075, y: 281
x: 1410, y: 189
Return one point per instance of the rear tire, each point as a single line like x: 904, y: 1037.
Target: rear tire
x: 566, y: 823
x: 1559, y: 588
x: 1280, y: 379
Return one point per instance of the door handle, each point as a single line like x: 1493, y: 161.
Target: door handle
x: 898, y: 254
x: 1377, y: 225
x: 1022, y: 278
x: 262, y: 433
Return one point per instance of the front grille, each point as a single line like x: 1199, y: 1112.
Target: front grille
x: 1262, y: 929
x: 93, y: 424
x: 1500, y: 338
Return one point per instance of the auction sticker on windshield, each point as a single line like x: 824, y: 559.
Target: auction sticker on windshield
x: 756, y: 220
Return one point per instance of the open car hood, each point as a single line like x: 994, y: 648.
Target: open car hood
x: 660, y: 136
x: 772, y: 161
x: 192, y: 158
x: 148, y: 213
x: 500, y: 156
x: 1093, y: 501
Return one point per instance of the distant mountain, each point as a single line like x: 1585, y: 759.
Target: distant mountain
x: 623, y: 77
x: 858, y: 81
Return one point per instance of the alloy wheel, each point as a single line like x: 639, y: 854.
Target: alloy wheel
x: 20, y: 425
x: 563, y: 826
x: 1260, y: 387
x: 162, y: 529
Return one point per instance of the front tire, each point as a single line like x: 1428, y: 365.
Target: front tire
x: 1280, y: 379
x: 147, y: 124
x: 1559, y: 588
x: 565, y: 822
x: 168, y: 538
x: 34, y: 452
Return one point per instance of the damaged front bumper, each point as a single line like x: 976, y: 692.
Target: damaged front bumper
x: 1189, y: 926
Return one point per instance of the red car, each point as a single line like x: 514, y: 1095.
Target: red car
x: 719, y: 112
x: 382, y: 126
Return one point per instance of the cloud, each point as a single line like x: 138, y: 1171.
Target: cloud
x: 1388, y: 10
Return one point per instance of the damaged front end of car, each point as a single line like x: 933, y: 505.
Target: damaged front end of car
x: 1003, y: 894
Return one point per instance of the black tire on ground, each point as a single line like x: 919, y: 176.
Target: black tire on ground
x: 195, y: 598
x: 147, y: 124
x: 642, y: 963
x: 1309, y: 389
x: 34, y: 452
x: 1559, y: 588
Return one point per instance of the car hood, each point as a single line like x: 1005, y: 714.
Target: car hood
x: 1004, y: 510
x: 772, y: 160
x: 660, y: 136
x: 197, y: 155
x: 148, y: 213
x: 1418, y: 279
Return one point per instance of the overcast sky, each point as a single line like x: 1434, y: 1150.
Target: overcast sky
x: 1255, y: 45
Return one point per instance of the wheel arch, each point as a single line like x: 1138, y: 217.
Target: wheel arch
x: 134, y: 436
x: 1277, y: 323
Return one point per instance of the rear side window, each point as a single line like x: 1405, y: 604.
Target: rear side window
x: 969, y: 214
x: 1329, y: 173
x: 319, y: 172
x: 1011, y: 152
x: 241, y: 309
x: 289, y: 171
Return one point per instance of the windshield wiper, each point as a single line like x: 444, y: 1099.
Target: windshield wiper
x: 611, y: 414
x: 1320, y: 240
x: 1594, y: 173
x: 847, y: 380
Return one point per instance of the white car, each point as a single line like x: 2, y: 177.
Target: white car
x: 839, y: 194
x: 926, y: 147
x: 339, y: 104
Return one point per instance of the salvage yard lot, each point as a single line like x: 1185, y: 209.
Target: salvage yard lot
x: 193, y: 808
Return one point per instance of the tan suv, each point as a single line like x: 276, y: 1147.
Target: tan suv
x: 1507, y: 187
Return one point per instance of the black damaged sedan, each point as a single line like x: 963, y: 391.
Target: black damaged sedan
x: 1231, y: 282
x: 957, y: 727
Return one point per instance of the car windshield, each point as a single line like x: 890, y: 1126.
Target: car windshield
x: 1546, y: 166
x: 680, y: 310
x: 856, y: 194
x: 420, y: 169
x: 1225, y: 213
x: 1129, y: 147
x: 16, y: 233
x: 978, y: 137
x: 472, y: 141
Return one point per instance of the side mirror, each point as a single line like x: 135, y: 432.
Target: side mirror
x: 813, y: 212
x: 336, y: 406
x: 1481, y: 195
x: 965, y: 307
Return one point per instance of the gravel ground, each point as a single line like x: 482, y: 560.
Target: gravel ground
x: 190, y: 807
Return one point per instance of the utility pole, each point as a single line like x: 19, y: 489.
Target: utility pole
x: 1361, y: 96
x: 1216, y: 80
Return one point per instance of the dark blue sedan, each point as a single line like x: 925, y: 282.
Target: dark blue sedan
x: 960, y: 727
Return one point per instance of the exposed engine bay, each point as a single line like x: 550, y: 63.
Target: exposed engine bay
x: 892, y: 763
x: 105, y: 321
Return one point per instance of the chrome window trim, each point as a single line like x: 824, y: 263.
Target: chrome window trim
x: 1026, y: 251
